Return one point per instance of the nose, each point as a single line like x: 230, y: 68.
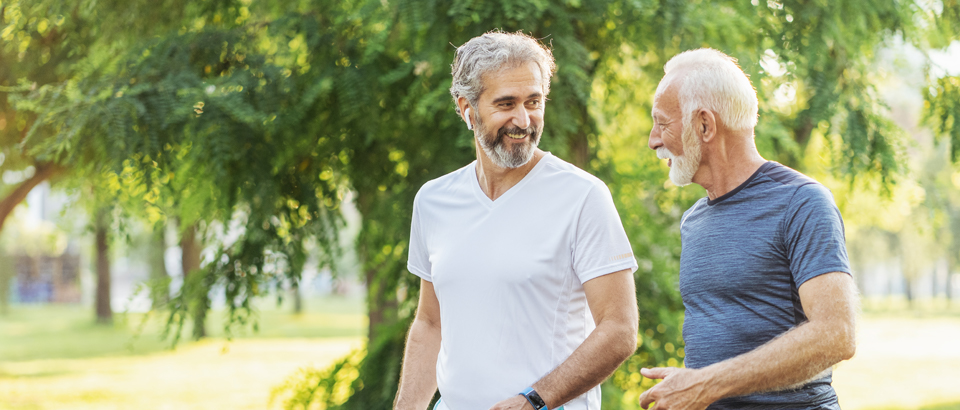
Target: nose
x: 521, y: 117
x: 655, y: 141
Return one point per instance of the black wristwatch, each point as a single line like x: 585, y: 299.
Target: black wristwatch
x: 531, y: 395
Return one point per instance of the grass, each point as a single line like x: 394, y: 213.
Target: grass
x: 54, y: 357
x: 204, y: 375
x: 902, y: 362
x: 33, y: 332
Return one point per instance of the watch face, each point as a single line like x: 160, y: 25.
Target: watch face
x: 536, y: 400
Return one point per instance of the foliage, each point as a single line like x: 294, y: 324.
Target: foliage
x: 942, y: 107
x: 312, y: 388
x: 252, y: 120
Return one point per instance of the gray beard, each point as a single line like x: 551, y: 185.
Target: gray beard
x: 506, y: 158
x: 496, y: 149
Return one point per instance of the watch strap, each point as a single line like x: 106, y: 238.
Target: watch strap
x: 534, y: 399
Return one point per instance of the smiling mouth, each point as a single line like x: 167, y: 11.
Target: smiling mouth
x: 517, y: 136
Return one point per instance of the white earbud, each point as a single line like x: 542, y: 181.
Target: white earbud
x: 466, y: 113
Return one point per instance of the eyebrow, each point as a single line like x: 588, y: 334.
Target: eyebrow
x: 657, y: 115
x: 511, y: 98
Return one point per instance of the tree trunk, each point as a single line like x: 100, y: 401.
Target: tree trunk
x: 579, y: 143
x: 190, y: 261
x: 6, y: 276
x: 949, y: 284
x: 297, y: 298
x: 908, y: 290
x: 380, y: 310
x: 104, y: 312
x: 374, y: 304
x: 160, y: 280
x: 42, y: 173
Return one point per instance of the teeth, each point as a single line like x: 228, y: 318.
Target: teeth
x: 516, y: 136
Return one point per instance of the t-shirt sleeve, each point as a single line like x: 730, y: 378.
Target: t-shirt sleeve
x: 418, y: 258
x: 813, y: 235
x: 601, y: 245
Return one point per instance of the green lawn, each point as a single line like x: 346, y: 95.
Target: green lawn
x: 54, y: 357
x: 908, y: 357
x: 33, y: 332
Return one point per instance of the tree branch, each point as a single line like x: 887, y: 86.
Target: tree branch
x: 43, y: 172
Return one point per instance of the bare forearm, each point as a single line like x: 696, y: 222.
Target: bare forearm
x: 796, y: 356
x: 595, y: 360
x: 791, y: 359
x: 418, y: 377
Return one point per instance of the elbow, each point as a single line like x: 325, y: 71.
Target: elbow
x: 845, y: 345
x: 848, y: 347
x: 626, y: 341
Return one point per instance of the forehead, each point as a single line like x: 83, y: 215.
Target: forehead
x: 516, y: 81
x: 667, y: 98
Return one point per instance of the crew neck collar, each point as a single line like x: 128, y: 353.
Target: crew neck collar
x: 763, y: 168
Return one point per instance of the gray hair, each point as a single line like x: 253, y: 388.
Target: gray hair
x: 713, y: 80
x: 493, y: 51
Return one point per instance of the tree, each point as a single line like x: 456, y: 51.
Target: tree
x: 102, y: 226
x: 256, y: 118
x: 50, y: 42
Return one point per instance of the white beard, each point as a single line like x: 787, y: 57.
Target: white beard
x: 683, y: 167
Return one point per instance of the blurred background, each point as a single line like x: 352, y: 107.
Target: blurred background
x: 206, y: 204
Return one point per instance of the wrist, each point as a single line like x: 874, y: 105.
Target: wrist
x: 533, y: 399
x: 713, y: 385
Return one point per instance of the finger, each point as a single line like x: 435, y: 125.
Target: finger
x: 656, y: 372
x: 647, y: 397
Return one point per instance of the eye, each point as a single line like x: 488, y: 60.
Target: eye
x: 534, y: 103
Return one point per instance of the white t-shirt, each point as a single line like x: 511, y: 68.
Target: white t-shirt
x: 509, y: 276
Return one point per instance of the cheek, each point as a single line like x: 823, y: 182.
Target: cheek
x: 674, y: 142
x: 537, y: 117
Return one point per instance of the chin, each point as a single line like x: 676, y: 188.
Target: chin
x: 680, y: 176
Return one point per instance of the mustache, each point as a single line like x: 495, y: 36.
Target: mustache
x: 530, y: 131
x: 664, y: 153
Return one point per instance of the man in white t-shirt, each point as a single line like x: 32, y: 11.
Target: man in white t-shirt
x: 527, y: 296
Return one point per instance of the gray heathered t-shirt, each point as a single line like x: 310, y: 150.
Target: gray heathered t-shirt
x: 744, y: 256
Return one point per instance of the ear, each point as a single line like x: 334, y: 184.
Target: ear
x: 706, y: 123
x: 465, y: 111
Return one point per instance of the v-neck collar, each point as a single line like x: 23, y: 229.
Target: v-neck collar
x: 490, y: 203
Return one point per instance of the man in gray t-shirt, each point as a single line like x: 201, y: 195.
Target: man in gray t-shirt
x: 764, y: 275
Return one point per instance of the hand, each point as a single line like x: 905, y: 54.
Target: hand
x: 517, y: 402
x: 681, y: 389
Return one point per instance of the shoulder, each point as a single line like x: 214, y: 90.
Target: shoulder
x: 693, y: 208
x: 809, y: 202
x: 788, y: 177
x: 570, y: 176
x: 797, y: 187
x: 448, y: 184
x: 804, y: 190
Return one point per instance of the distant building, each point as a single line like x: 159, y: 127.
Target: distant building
x: 46, y: 279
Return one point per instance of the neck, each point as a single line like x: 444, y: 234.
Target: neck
x: 496, y: 180
x: 728, y: 162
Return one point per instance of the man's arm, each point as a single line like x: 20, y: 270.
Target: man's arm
x: 613, y: 303
x: 418, y: 377
x: 796, y: 356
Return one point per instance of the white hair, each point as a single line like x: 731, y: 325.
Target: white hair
x: 491, y: 52
x: 712, y: 80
